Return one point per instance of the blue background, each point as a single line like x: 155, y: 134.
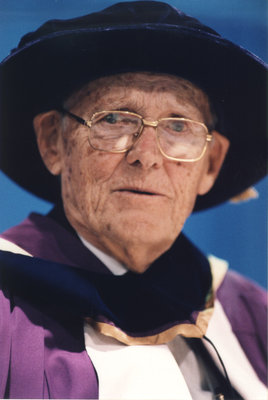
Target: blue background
x: 237, y: 233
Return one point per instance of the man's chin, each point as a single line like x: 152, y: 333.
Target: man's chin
x: 138, y: 248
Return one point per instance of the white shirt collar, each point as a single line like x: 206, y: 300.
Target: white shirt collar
x: 111, y: 263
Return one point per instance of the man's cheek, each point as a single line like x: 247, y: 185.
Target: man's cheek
x: 101, y: 166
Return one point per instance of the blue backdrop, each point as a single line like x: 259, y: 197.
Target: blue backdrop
x: 237, y: 233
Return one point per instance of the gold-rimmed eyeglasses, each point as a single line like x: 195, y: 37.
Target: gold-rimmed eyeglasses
x: 178, y: 139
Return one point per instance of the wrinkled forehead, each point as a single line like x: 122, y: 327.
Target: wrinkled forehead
x: 182, y: 89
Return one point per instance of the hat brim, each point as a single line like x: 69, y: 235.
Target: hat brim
x: 39, y: 76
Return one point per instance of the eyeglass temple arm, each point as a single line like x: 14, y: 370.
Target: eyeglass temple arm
x: 78, y: 119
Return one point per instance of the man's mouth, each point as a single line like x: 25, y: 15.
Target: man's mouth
x: 137, y: 191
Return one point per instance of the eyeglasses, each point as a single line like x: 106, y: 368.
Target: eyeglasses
x: 178, y: 139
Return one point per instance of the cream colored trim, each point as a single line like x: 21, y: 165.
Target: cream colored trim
x: 248, y: 194
x: 187, y: 330
x: 219, y: 268
x: 6, y: 245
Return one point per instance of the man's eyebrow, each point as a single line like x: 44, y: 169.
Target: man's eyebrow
x: 126, y: 109
x: 173, y: 115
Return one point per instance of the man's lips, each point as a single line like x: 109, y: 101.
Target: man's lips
x: 139, y: 191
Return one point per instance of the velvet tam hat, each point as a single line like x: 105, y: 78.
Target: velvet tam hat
x: 60, y: 56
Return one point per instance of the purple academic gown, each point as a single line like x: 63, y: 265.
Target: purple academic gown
x: 37, y: 364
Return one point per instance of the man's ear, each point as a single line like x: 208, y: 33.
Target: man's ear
x: 216, y: 154
x: 47, y: 128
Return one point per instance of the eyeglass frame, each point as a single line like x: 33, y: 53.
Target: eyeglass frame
x: 137, y: 135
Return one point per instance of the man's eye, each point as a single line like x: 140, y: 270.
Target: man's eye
x: 178, y: 126
x: 111, y: 118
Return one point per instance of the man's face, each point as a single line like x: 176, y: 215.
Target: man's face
x: 131, y: 205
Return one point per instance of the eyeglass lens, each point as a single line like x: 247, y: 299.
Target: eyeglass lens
x: 114, y: 131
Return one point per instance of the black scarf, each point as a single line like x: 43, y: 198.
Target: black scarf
x: 171, y: 291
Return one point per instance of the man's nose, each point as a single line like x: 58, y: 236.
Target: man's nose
x: 145, y: 150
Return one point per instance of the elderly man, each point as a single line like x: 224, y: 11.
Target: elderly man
x: 105, y: 297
